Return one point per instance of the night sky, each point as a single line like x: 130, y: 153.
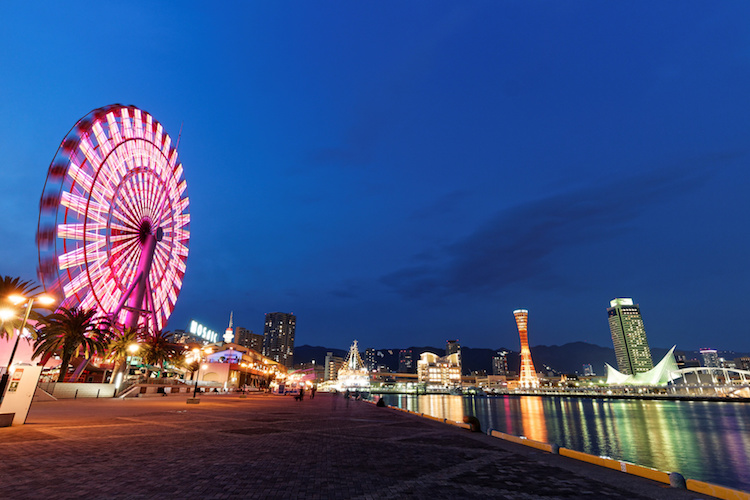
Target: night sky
x: 403, y: 173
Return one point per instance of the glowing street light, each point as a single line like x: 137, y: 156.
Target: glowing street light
x: 197, y: 357
x: 7, y: 314
x: 125, y: 372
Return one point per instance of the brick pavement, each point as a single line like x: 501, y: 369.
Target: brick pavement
x: 274, y: 447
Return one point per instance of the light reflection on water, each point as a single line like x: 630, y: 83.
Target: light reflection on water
x: 709, y: 441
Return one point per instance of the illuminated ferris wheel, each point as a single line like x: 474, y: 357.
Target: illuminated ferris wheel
x: 113, y: 221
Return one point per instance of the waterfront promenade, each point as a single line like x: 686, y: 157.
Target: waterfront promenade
x: 269, y: 446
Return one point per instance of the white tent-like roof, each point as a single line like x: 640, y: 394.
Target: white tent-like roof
x: 659, y: 375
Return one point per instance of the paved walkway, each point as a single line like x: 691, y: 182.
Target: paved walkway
x: 274, y: 447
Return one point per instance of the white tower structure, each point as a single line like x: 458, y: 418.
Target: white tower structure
x: 229, y: 333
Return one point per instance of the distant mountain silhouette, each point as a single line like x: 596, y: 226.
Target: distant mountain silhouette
x: 308, y: 353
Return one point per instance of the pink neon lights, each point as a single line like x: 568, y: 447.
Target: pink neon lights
x: 121, y: 170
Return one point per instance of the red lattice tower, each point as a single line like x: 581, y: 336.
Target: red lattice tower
x: 528, y: 376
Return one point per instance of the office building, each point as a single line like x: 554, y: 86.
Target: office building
x: 528, y: 377
x: 247, y: 338
x: 406, y: 361
x: 742, y: 363
x: 370, y: 361
x: 332, y: 366
x: 710, y: 358
x: 629, y: 337
x: 453, y: 347
x: 278, y: 337
x: 500, y: 363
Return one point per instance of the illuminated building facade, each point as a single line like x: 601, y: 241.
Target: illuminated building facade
x: 332, y: 366
x: 406, y: 361
x: 500, y: 363
x: 629, y: 337
x: 278, y: 337
x: 710, y: 358
x: 370, y: 362
x: 436, y: 371
x: 247, y: 338
x: 742, y: 363
x: 234, y: 366
x: 528, y: 376
x: 453, y: 347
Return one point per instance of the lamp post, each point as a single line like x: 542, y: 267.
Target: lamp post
x: 197, y: 376
x: 18, y: 300
x: 197, y: 357
x: 124, y: 371
x: 132, y: 349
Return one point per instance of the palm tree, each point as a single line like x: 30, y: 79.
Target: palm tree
x: 186, y: 362
x: 119, y: 348
x: 72, y: 332
x: 158, y: 346
x: 14, y: 286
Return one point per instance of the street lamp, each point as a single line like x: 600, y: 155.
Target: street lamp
x: 7, y: 314
x: 197, y: 357
x: 132, y: 349
x: 127, y: 362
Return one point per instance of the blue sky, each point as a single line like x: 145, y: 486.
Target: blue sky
x: 404, y: 173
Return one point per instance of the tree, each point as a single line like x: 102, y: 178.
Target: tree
x: 72, y: 332
x: 157, y: 347
x: 14, y: 286
x: 119, y: 347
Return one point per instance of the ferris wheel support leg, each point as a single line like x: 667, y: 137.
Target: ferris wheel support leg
x: 135, y: 303
x: 77, y: 373
x: 125, y: 297
x: 150, y: 304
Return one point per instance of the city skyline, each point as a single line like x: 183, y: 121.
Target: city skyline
x: 407, y: 175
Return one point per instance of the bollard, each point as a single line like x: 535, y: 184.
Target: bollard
x: 555, y: 449
x: 677, y: 480
x: 473, y: 422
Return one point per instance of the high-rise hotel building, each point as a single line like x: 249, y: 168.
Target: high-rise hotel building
x: 629, y: 337
x: 278, y: 337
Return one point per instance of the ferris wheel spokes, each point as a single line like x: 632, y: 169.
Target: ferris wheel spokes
x: 114, y: 182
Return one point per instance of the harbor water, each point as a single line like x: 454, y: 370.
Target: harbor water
x: 704, y: 440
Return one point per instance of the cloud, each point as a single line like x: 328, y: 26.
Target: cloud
x: 517, y: 245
